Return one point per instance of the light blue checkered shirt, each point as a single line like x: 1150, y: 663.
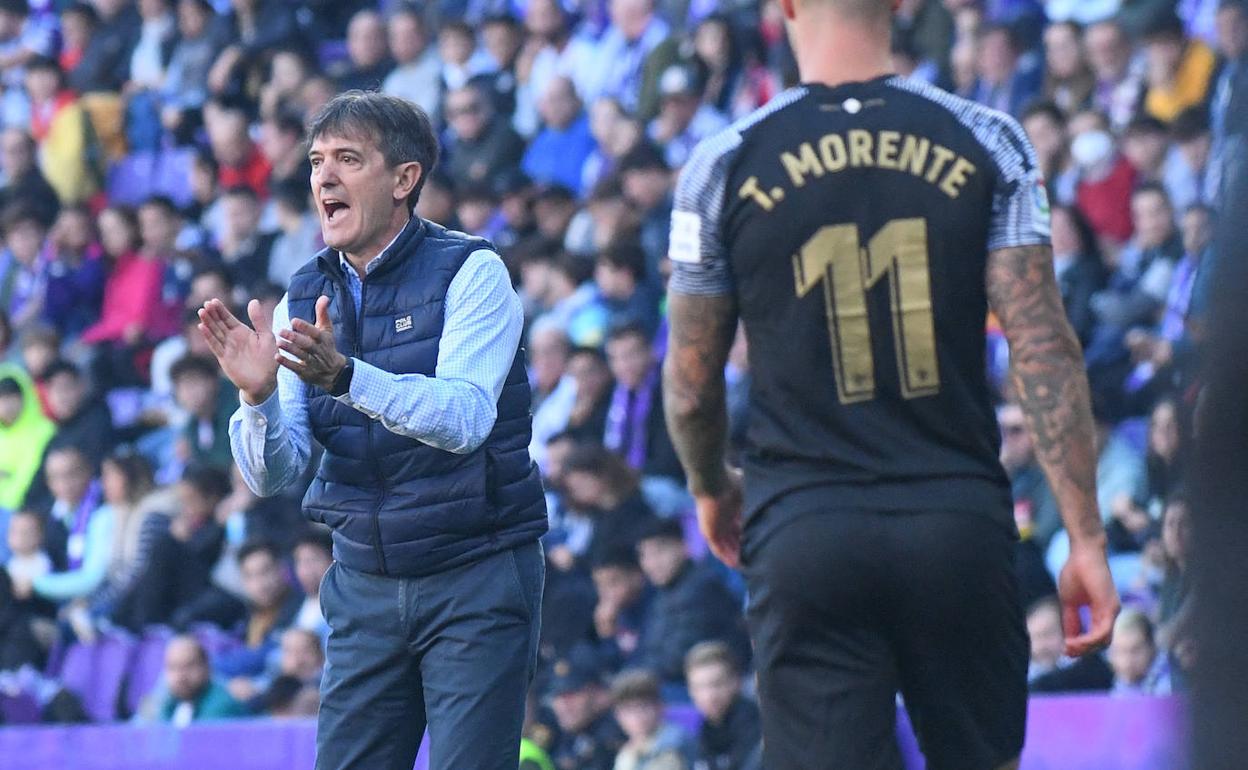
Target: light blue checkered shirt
x: 454, y: 410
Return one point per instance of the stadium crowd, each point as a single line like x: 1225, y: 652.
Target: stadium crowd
x: 151, y: 158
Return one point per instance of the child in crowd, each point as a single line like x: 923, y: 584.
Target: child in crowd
x: 1138, y: 669
x: 652, y: 744
x: 27, y: 559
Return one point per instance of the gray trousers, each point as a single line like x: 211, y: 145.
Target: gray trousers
x: 453, y: 651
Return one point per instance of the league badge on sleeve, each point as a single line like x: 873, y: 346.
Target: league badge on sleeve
x: 1040, y: 207
x: 684, y: 244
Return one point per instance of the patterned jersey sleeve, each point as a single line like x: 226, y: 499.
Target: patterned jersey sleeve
x: 1020, y: 203
x: 696, y: 247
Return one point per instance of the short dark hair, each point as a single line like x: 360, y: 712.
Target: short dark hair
x: 1166, y: 27
x: 241, y: 191
x: 1144, y: 124
x: 1190, y: 124
x: 162, y: 202
x: 401, y: 130
x: 636, y: 685
x: 662, y: 529
x: 629, y: 329
x: 258, y: 545
x: 626, y: 255
x: 15, y: 7
x: 1152, y: 188
x: 617, y: 557
x: 9, y: 386
x: 86, y: 11
x: 1045, y: 108
x: 287, y: 121
x: 61, y: 366
x: 644, y: 157
x: 317, y: 537
x: 215, y: 270
x: 17, y: 214
x: 192, y: 364
x: 292, y: 194
x: 209, y: 480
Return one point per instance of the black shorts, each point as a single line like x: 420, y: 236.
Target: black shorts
x: 850, y: 607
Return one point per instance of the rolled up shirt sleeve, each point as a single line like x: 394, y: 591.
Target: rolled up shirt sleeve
x: 455, y: 409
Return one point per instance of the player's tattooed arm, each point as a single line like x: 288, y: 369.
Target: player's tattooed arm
x: 1046, y: 369
x: 702, y: 331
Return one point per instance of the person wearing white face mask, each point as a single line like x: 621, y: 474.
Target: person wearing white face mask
x: 1105, y: 181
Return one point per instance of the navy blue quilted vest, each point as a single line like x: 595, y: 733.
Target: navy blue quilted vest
x: 398, y: 506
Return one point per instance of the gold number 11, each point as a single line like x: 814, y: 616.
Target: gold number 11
x: 899, y: 250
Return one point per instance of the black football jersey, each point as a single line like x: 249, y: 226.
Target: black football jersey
x: 853, y: 225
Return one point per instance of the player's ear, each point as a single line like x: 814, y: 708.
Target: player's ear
x: 405, y: 181
x: 789, y: 7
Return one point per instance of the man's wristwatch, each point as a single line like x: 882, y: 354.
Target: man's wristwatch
x: 342, y: 383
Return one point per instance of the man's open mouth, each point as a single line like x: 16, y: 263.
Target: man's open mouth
x: 333, y: 207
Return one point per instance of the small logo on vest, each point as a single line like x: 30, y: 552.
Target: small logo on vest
x: 403, y: 324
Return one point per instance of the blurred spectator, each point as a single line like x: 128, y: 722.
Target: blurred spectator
x: 78, y: 22
x: 40, y: 348
x: 1050, y: 671
x: 1140, y: 280
x: 127, y: 481
x: 74, y: 528
x: 190, y: 694
x: 589, y: 737
x: 199, y: 391
x: 733, y: 86
x: 647, y: 184
x: 731, y: 728
x: 600, y: 485
x: 185, y: 86
x: 313, y: 556
x: 1068, y: 79
x: 1080, y: 272
x: 24, y: 432
x: 271, y: 607
x: 1138, y: 668
x: 185, y: 544
x: 1179, y: 70
x: 558, y: 153
x: 105, y: 62
x: 241, y: 162
x: 1106, y: 179
x: 245, y: 250
x: 76, y: 273
x: 1145, y: 144
x: 1232, y: 43
x: 549, y: 348
x: 461, y: 59
x: 19, y: 644
x: 588, y: 368
x: 281, y: 143
x: 22, y: 38
x: 631, y: 55
x: 1035, y: 508
x: 1003, y: 83
x: 28, y: 561
x: 23, y: 180
x: 683, y: 119
x: 501, y: 38
x: 1164, y: 459
x: 299, y: 231
x: 624, y: 600
x: 294, y: 691
x: 652, y: 744
x: 290, y: 69
x: 482, y: 145
x: 416, y: 76
x: 1187, y: 173
x: 253, y: 27
x: 82, y: 419
x: 23, y: 269
x: 368, y: 58
x: 625, y: 295
x: 635, y: 427
x: 59, y: 126
x: 554, y: 50
x: 1119, y: 86
x: 691, y: 604
x: 146, y: 73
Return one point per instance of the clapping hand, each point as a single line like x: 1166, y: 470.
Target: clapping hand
x: 312, y: 354
x: 247, y: 356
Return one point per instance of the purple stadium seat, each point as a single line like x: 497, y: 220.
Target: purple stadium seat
x: 130, y: 180
x: 694, y: 542
x: 686, y: 717
x: 95, y: 673
x: 173, y: 174
x: 149, y: 664
x: 214, y: 640
x: 18, y: 709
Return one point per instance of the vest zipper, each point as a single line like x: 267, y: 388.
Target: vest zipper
x: 357, y: 333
